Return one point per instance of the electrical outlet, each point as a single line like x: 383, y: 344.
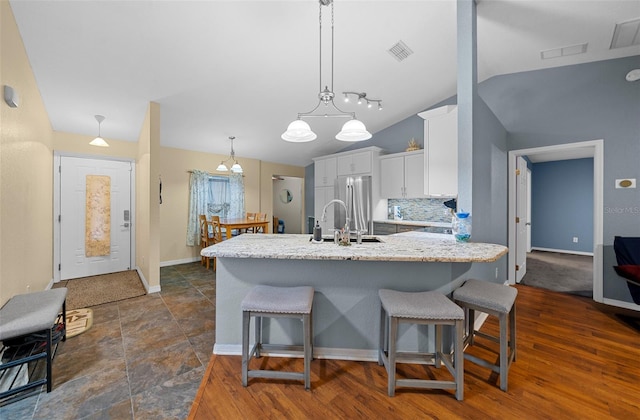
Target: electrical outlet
x: 575, y: 239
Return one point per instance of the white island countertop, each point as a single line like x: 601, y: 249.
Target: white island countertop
x: 407, y: 246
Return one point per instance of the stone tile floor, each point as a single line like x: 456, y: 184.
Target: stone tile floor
x: 143, y: 358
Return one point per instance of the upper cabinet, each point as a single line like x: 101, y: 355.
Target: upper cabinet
x: 441, y: 151
x: 356, y: 163
x: 402, y: 175
x: 325, y: 171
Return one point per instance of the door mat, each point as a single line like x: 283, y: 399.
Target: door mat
x: 106, y: 288
x: 78, y: 321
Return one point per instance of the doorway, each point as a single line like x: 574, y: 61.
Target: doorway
x: 518, y: 240
x: 93, y: 216
x: 288, y: 203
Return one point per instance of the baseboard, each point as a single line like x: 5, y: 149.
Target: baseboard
x: 178, y: 262
x: 562, y: 251
x: 621, y: 304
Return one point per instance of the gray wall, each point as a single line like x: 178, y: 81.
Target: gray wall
x: 562, y: 205
x: 542, y: 108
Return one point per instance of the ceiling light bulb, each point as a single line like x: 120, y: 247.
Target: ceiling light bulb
x: 99, y: 141
x: 368, y: 104
x: 359, y: 101
x: 298, y: 132
x: 380, y: 106
x: 353, y: 130
x: 236, y: 168
x: 346, y: 98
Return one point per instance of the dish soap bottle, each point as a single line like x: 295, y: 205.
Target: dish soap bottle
x: 317, y: 232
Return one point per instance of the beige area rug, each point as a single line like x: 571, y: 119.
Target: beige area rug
x: 96, y: 290
x: 78, y: 321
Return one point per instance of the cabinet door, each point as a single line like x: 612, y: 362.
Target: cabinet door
x: 322, y: 196
x: 392, y: 177
x: 354, y: 163
x: 325, y: 172
x: 383, y: 228
x: 441, y: 159
x: 414, y: 175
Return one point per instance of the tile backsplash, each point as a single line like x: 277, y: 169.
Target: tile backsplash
x: 422, y: 209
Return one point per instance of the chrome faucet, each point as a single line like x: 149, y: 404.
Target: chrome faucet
x: 345, y: 232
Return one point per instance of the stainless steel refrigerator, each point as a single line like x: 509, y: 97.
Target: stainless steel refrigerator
x: 355, y: 191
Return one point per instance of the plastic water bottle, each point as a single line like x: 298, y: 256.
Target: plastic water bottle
x: 462, y: 227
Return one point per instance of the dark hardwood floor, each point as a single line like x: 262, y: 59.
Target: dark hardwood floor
x: 576, y: 359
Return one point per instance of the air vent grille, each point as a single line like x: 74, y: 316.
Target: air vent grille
x: 626, y: 34
x: 564, y: 51
x: 400, y: 51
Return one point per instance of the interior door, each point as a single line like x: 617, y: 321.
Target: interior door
x: 521, y: 217
x: 95, y: 217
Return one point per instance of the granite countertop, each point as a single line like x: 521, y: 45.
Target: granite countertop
x: 407, y: 246
x: 422, y: 223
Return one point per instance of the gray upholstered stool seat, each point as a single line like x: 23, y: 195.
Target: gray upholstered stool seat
x: 497, y: 300
x: 277, y: 302
x: 427, y: 308
x: 29, y: 313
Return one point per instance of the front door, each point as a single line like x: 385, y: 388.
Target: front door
x: 95, y: 217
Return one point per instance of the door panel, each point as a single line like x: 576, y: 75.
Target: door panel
x: 74, y: 262
x: 521, y: 218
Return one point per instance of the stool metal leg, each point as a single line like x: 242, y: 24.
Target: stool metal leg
x: 512, y: 328
x: 458, y: 355
x: 306, y: 326
x: 437, y: 360
x: 382, y: 337
x: 246, y: 319
x: 504, y: 352
x: 391, y: 371
x: 258, y: 334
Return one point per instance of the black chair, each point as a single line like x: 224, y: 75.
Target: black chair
x: 627, y: 251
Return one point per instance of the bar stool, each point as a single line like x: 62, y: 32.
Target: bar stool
x: 277, y: 302
x: 497, y: 300
x: 430, y: 308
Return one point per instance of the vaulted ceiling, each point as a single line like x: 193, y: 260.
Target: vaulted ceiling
x: 246, y: 68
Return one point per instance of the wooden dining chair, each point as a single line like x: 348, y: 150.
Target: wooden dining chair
x: 252, y: 217
x: 215, y: 236
x: 263, y: 218
x: 206, y: 238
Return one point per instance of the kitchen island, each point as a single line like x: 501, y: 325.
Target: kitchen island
x: 346, y: 280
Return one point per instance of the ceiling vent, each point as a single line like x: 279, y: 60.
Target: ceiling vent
x: 400, y: 51
x: 626, y: 34
x: 564, y: 51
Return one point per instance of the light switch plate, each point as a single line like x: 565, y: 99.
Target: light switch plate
x: 626, y: 183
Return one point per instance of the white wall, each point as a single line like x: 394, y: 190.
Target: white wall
x: 290, y: 212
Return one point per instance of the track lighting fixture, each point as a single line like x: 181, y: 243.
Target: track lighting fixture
x: 362, y: 97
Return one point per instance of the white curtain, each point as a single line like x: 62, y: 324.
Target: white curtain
x: 198, y: 199
x: 236, y: 196
x: 218, y: 197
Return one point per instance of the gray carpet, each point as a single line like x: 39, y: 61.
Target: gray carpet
x: 560, y: 272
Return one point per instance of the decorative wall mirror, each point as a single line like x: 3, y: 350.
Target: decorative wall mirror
x: 285, y: 196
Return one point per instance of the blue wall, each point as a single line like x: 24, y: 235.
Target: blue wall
x: 562, y: 205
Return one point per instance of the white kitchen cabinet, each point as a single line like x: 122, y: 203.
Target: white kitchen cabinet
x: 325, y: 171
x: 441, y: 151
x: 356, y: 163
x: 402, y: 175
x: 322, y: 195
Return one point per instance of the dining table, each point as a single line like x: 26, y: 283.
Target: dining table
x: 243, y: 223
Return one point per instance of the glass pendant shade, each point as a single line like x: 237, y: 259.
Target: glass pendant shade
x: 222, y: 167
x: 99, y: 141
x: 236, y: 168
x: 299, y: 132
x: 353, y: 130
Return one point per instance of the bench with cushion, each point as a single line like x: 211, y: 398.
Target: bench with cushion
x: 30, y: 326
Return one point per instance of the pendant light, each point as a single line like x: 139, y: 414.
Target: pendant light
x: 353, y: 130
x: 99, y: 141
x: 235, y: 168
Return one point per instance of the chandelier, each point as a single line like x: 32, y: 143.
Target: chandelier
x: 353, y: 130
x: 235, y: 168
